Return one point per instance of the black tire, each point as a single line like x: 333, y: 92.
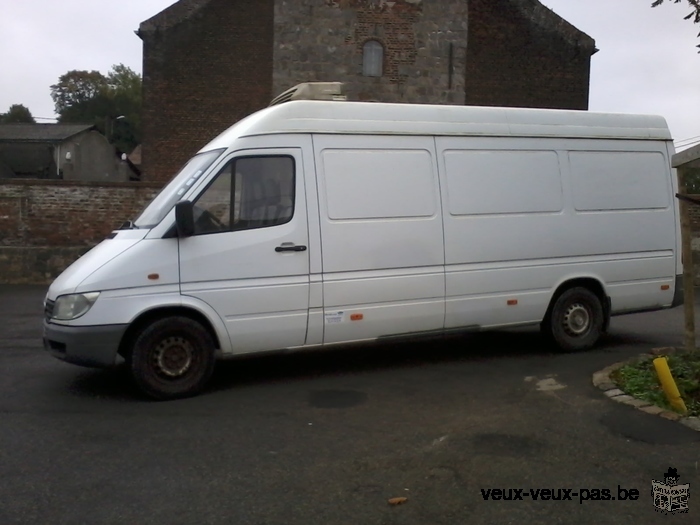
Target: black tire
x: 576, y: 320
x: 172, y: 358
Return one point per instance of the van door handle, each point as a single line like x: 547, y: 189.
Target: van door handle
x: 289, y: 247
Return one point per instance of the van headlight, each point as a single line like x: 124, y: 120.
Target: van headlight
x: 72, y: 306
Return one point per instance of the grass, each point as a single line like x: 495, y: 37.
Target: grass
x: 640, y: 380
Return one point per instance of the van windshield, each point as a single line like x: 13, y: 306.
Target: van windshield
x: 176, y: 188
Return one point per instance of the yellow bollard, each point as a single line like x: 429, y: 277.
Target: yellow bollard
x: 669, y: 385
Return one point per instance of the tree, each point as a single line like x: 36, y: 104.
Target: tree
x: 112, y: 103
x: 123, y: 80
x: 77, y: 88
x: 694, y: 14
x: 17, y: 113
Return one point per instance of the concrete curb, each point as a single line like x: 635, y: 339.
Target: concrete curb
x: 602, y: 380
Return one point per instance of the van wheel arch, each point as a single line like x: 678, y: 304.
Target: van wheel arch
x: 590, y: 285
x: 151, y: 316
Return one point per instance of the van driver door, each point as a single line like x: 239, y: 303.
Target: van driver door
x: 248, y: 257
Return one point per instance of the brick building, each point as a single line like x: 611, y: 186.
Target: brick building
x: 209, y: 63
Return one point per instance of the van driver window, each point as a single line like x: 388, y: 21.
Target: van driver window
x: 249, y: 192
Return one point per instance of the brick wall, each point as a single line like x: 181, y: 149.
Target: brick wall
x: 46, y: 224
x: 520, y: 55
x: 695, y: 217
x: 200, y: 76
x: 695, y: 229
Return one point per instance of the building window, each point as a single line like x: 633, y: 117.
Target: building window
x: 372, y: 59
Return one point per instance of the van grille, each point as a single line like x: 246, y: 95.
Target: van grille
x: 48, y: 309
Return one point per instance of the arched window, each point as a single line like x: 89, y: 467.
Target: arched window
x: 372, y: 59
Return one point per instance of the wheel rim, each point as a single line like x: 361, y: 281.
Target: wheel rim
x: 173, y: 357
x: 577, y: 320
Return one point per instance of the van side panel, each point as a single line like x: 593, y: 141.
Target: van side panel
x: 523, y: 216
x: 381, y: 235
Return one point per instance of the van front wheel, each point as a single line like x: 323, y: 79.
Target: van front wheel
x: 173, y: 357
x: 576, y: 320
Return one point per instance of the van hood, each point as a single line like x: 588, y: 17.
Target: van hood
x: 93, y: 260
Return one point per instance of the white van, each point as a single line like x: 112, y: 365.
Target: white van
x: 322, y: 222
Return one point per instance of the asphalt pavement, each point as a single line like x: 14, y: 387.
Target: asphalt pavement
x: 329, y: 437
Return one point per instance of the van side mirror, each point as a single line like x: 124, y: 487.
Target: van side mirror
x: 184, y: 219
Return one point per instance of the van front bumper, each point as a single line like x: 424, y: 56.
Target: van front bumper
x: 93, y: 346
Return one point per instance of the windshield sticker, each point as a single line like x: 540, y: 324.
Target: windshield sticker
x: 334, y: 317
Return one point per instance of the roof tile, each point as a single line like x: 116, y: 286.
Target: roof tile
x: 40, y: 132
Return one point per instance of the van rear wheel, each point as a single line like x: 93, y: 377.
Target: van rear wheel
x: 172, y: 358
x: 576, y: 320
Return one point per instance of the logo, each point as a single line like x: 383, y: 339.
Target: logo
x: 669, y: 497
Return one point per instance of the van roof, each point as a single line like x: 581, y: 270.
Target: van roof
x: 335, y: 117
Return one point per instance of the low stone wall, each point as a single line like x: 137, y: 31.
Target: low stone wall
x: 46, y: 224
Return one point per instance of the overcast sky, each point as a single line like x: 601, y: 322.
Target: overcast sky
x: 647, y: 63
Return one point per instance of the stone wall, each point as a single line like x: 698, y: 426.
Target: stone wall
x: 209, y: 63
x: 424, y: 47
x: 46, y: 224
